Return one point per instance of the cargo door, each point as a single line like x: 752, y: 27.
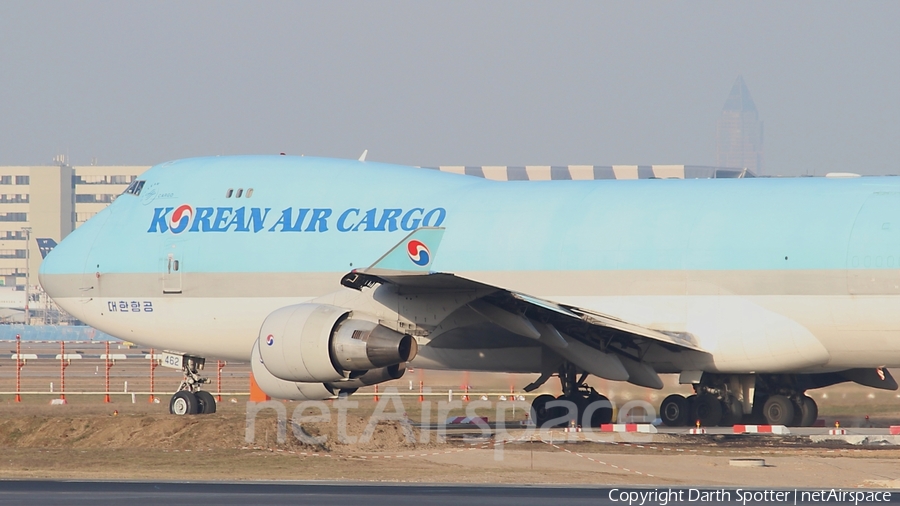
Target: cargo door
x: 873, y: 255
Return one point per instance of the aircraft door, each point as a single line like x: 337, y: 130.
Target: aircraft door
x: 873, y: 253
x: 172, y: 266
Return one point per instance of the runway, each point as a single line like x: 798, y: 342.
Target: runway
x: 342, y: 494
x: 338, y: 494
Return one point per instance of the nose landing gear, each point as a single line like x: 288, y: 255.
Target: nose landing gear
x: 189, y: 399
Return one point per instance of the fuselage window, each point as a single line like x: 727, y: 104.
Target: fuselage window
x: 249, y: 192
x: 239, y: 192
x: 135, y: 187
x: 228, y: 193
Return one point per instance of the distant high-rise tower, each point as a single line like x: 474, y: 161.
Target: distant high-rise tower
x: 739, y: 132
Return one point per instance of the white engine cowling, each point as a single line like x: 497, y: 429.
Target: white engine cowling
x: 320, y: 343
x: 281, y: 389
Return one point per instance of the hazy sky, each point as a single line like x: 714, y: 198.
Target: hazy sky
x: 428, y: 83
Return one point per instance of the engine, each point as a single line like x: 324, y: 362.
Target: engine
x: 360, y: 379
x: 324, y: 348
x: 281, y: 389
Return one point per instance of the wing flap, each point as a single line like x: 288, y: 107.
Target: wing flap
x: 680, y: 340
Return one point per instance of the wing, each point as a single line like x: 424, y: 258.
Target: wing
x: 597, y: 343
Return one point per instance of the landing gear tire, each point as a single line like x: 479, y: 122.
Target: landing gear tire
x: 184, y: 403
x: 564, y: 413
x: 707, y: 409
x: 674, y: 411
x: 540, y: 413
x: 578, y: 405
x: 732, y: 411
x: 807, y: 412
x: 206, y: 403
x: 778, y: 410
x: 691, y: 400
x: 756, y: 416
x: 594, y: 410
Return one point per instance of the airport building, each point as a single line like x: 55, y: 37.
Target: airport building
x: 739, y: 132
x: 586, y: 172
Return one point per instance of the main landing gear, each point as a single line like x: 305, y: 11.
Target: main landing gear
x: 189, y: 399
x: 579, y: 403
x: 723, y: 400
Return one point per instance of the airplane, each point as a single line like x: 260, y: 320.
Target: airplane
x: 12, y: 300
x: 45, y: 246
x: 329, y: 275
x: 12, y: 305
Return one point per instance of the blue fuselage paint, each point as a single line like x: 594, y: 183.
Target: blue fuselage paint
x: 309, y: 214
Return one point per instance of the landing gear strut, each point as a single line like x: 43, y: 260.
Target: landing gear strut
x: 579, y: 403
x: 189, y: 399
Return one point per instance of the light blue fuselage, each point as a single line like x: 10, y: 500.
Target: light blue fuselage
x: 818, y: 255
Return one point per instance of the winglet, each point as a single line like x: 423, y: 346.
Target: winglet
x: 362, y: 157
x: 415, y: 253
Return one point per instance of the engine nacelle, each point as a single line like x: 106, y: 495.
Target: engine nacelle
x: 361, y: 379
x: 281, y: 389
x: 320, y: 343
